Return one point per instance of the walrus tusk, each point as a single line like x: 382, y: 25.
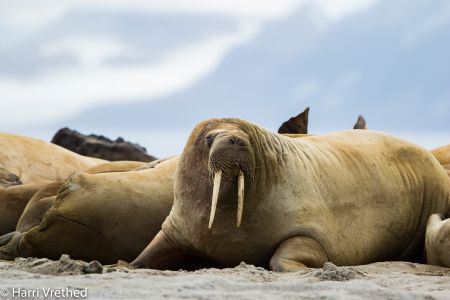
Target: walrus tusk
x: 240, y: 208
x: 215, y: 197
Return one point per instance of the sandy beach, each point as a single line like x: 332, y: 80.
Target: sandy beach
x: 384, y: 280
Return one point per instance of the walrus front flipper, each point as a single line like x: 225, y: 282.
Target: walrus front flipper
x: 164, y: 254
x: 296, y: 254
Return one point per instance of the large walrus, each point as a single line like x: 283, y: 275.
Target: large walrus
x: 28, y: 164
x: 351, y: 197
x: 104, y: 216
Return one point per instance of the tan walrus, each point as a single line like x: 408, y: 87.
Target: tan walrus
x: 33, y: 160
x: 28, y: 164
x: 104, y: 216
x: 44, y: 198
x: 351, y: 197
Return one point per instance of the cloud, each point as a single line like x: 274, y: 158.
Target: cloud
x: 60, y: 91
x: 89, y: 51
x: 64, y: 92
x: 30, y: 16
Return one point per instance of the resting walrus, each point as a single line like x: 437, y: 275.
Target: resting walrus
x: 103, y: 216
x: 351, y: 197
x: 28, y: 164
x: 33, y: 160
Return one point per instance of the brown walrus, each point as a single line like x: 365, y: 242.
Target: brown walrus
x: 285, y: 203
x: 103, y: 216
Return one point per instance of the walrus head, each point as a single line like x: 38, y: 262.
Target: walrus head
x: 231, y: 159
x: 216, y: 171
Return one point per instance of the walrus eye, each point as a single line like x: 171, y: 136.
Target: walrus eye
x: 209, y: 140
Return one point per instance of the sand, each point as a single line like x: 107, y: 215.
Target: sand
x: 384, y: 280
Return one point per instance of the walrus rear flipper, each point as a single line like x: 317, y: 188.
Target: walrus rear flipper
x: 164, y: 254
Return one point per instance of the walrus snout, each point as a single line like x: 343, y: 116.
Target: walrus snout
x: 230, y: 158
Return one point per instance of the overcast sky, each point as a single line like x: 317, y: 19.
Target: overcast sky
x: 51, y: 72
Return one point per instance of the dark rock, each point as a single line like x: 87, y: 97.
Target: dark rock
x: 100, y: 147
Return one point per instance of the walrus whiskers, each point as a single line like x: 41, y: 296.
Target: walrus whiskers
x: 240, y: 208
x: 215, y: 197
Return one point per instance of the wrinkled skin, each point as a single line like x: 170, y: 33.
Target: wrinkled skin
x: 341, y: 197
x: 104, y: 216
x: 100, y: 146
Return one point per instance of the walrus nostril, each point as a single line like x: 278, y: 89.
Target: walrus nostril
x: 235, y: 141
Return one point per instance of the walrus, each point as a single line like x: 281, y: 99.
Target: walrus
x: 101, y: 147
x: 33, y: 160
x: 104, y: 216
x: 437, y: 241
x: 42, y: 196
x: 28, y: 164
x: 350, y: 197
